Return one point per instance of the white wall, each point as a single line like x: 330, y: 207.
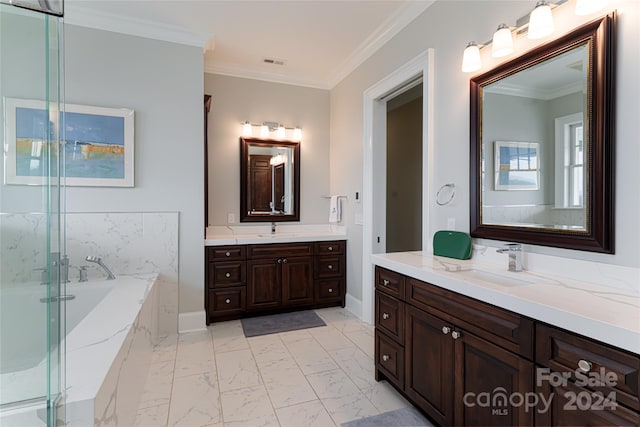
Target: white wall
x: 235, y: 100
x: 447, y: 26
x: 163, y: 83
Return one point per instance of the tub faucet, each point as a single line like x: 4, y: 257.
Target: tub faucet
x: 515, y: 255
x: 98, y: 261
x: 273, y: 228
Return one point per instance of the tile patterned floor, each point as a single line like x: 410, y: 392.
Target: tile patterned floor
x: 318, y: 377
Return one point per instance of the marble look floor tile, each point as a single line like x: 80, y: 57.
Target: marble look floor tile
x: 384, y: 397
x: 245, y: 405
x: 294, y: 336
x: 310, y: 356
x: 335, y: 314
x: 228, y: 336
x: 347, y: 408
x: 287, y: 387
x: 330, y: 338
x: 357, y: 365
x: 157, y: 389
x: 195, y: 400
x: 266, y: 421
x: 237, y: 369
x: 310, y: 414
x: 186, y: 366
x: 152, y: 417
x: 332, y: 384
x: 270, y: 352
x: 364, y: 339
x: 165, y: 349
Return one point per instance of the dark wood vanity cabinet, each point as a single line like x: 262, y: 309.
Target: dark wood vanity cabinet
x: 447, y: 352
x: 247, y: 280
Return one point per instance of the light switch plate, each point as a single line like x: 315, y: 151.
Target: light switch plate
x: 359, y: 219
x: 231, y: 218
x: 451, y: 223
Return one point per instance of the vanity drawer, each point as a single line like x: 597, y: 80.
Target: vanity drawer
x: 220, y: 253
x: 227, y: 273
x: 330, y: 266
x: 279, y: 250
x: 563, y: 351
x: 390, y: 282
x: 504, y: 328
x: 330, y: 248
x: 390, y: 359
x: 228, y: 300
x: 329, y: 290
x: 390, y: 316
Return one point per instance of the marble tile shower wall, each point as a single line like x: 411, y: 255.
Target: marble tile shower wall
x: 128, y: 243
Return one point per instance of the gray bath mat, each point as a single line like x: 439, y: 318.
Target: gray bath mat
x: 405, y: 417
x: 284, y: 322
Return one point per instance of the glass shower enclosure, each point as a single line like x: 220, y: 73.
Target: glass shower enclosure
x: 31, y: 220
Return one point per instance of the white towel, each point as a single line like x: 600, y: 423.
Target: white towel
x: 335, y: 213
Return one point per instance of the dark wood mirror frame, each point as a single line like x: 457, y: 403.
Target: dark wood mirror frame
x: 245, y: 142
x: 599, y: 236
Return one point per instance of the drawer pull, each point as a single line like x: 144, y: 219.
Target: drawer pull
x: 446, y: 330
x: 227, y: 275
x: 227, y: 301
x: 330, y: 248
x: 330, y: 267
x: 385, y: 282
x: 284, y: 260
x: 455, y: 335
x: 330, y: 290
x: 385, y: 357
x: 279, y: 260
x: 584, y: 365
x: 228, y: 253
x: 385, y: 316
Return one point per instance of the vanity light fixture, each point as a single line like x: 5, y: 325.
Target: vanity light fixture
x: 471, y: 58
x: 264, y: 131
x: 297, y: 134
x: 587, y: 7
x: 247, y: 129
x: 281, y: 132
x: 502, y: 42
x: 540, y: 21
x: 268, y: 128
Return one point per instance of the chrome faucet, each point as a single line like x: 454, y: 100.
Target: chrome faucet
x: 273, y: 228
x: 515, y: 255
x: 98, y: 261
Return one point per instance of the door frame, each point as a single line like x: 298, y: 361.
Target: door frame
x: 375, y: 144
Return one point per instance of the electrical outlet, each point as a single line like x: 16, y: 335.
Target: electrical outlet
x: 231, y: 218
x: 451, y: 223
x: 359, y: 219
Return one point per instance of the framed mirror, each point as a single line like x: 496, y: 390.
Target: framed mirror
x: 542, y: 144
x: 269, y: 180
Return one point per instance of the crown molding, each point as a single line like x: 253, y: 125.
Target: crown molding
x: 234, y: 70
x: 84, y: 17
x: 385, y: 32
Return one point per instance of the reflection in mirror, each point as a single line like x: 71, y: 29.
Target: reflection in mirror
x: 542, y: 142
x: 269, y: 180
x: 539, y: 180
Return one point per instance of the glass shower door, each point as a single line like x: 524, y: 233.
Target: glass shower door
x: 31, y: 232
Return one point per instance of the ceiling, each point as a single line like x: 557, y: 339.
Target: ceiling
x: 319, y: 41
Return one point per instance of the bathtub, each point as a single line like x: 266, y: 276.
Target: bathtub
x: 111, y: 327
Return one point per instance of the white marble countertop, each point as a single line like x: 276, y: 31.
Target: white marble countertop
x: 261, y: 234
x: 607, y: 314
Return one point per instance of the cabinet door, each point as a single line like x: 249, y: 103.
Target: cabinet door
x: 488, y: 378
x: 264, y: 288
x: 429, y: 361
x: 297, y: 281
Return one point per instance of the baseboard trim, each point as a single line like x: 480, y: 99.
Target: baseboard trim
x: 192, y: 321
x: 354, y: 305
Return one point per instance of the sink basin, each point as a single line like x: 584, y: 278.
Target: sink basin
x: 277, y: 235
x: 506, y: 279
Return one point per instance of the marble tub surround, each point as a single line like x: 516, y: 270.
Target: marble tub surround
x: 285, y: 233
x: 109, y: 352
x: 608, y: 314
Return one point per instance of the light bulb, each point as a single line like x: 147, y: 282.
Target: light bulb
x: 587, y: 7
x: 264, y: 131
x: 281, y: 132
x: 540, y: 21
x: 502, y: 44
x: 471, y: 58
x: 246, y: 129
x: 297, y: 134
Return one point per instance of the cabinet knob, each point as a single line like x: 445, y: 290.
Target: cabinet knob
x: 385, y: 282
x: 330, y: 248
x: 279, y: 260
x: 385, y: 316
x: 284, y: 260
x: 227, y: 275
x: 330, y: 290
x: 455, y: 335
x: 330, y: 267
x: 385, y: 357
x: 584, y: 365
x: 227, y: 301
x: 446, y: 330
x: 228, y: 253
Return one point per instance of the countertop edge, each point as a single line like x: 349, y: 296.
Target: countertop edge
x: 239, y: 239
